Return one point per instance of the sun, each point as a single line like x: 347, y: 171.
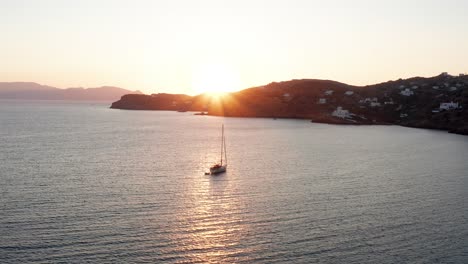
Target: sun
x: 215, y: 79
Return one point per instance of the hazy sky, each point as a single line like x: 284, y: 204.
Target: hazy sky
x: 181, y: 46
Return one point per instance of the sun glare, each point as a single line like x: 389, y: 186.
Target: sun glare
x: 215, y: 79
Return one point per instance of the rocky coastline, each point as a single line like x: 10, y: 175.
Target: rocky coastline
x: 439, y: 102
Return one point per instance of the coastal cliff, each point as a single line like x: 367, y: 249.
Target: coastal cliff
x: 438, y: 102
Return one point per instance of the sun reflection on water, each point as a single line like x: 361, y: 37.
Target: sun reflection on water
x: 214, y: 226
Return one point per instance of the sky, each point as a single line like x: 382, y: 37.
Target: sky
x: 192, y: 46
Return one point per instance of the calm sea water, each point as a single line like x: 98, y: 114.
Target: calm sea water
x: 83, y: 183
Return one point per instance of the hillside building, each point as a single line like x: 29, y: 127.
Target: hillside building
x: 449, y: 106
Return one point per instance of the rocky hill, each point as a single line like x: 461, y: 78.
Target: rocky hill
x: 439, y: 102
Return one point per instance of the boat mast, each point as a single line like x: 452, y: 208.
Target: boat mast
x: 225, y: 153
x: 222, y: 144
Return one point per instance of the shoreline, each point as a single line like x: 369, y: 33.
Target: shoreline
x: 463, y: 132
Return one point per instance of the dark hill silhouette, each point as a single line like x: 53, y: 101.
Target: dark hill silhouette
x: 34, y: 91
x: 415, y: 102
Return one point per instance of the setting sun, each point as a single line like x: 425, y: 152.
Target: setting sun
x: 215, y: 79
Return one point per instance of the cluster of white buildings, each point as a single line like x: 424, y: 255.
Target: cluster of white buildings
x: 406, y: 92
x: 368, y: 100
x: 449, y: 106
x: 322, y: 101
x: 373, y: 102
x: 342, y: 113
x: 287, y: 97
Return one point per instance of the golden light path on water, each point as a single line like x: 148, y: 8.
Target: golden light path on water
x: 207, y: 221
x: 214, y: 220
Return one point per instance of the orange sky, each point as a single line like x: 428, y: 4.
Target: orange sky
x: 207, y: 45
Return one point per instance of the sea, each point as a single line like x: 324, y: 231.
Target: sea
x: 83, y: 183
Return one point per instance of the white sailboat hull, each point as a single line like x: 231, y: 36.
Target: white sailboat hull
x: 218, y: 169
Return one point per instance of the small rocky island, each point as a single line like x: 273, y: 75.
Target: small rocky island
x: 439, y: 102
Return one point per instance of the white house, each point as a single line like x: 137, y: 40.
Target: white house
x: 453, y: 89
x: 328, y: 92
x: 322, y: 101
x: 435, y: 87
x: 341, y: 113
x: 349, y: 92
x: 374, y: 104
x: 407, y: 92
x: 448, y: 106
x: 369, y: 100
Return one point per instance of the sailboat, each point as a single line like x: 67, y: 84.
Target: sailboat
x: 220, y: 167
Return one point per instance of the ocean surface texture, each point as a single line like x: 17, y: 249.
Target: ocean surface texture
x: 80, y: 182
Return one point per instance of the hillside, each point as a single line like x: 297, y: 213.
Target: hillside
x: 34, y: 91
x: 438, y: 102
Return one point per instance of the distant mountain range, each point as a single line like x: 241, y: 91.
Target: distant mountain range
x: 439, y: 102
x: 35, y: 91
